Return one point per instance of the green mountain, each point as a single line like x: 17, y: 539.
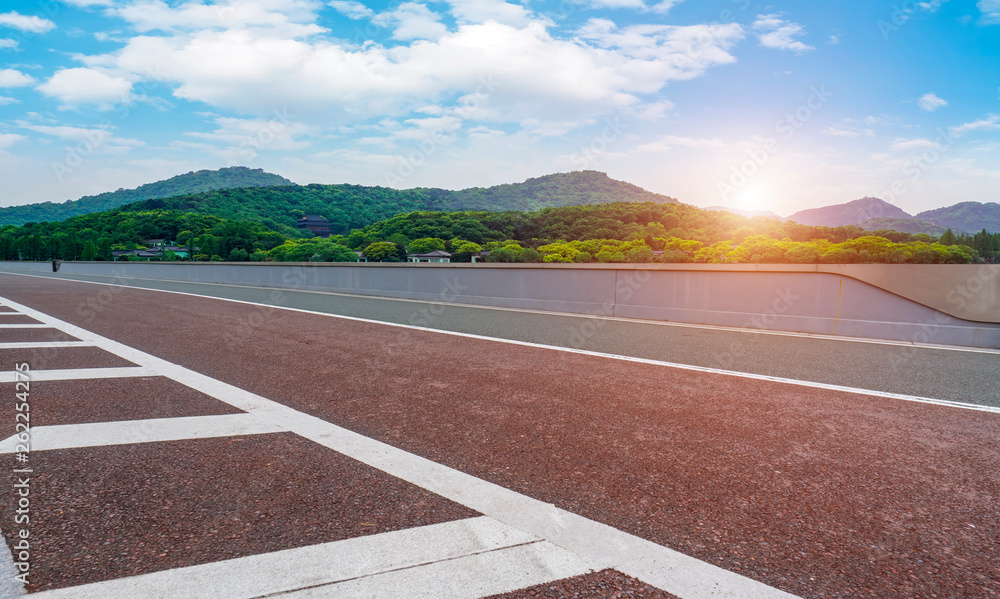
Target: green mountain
x: 193, y: 182
x: 851, y: 213
x: 350, y: 207
x: 967, y: 217
x: 903, y: 225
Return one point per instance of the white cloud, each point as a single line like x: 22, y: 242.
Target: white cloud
x: 424, y: 128
x: 990, y: 10
x: 990, y: 123
x: 411, y: 20
x: 86, y: 3
x: 500, y: 72
x: 31, y: 24
x: 550, y: 128
x: 664, y: 6
x: 654, y: 111
x: 841, y: 132
x: 613, y: 4
x: 481, y: 11
x: 931, y: 5
x: 244, y: 139
x: 903, y: 145
x: 86, y: 86
x: 103, y: 141
x: 9, y: 139
x: 5, y: 100
x: 930, y: 102
x: 288, y: 18
x: 835, y: 39
x: 8, y: 43
x: 671, y: 142
x: 14, y: 78
x: 351, y: 9
x: 778, y: 33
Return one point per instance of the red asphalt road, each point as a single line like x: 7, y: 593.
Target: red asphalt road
x: 819, y: 493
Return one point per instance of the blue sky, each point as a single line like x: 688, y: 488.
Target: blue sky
x: 780, y: 105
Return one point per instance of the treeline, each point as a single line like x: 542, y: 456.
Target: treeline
x: 616, y: 232
x: 95, y: 236
x: 986, y: 244
x: 648, y: 232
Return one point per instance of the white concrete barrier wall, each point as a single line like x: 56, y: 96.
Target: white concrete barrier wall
x: 807, y: 302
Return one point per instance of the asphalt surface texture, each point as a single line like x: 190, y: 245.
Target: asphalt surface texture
x: 896, y: 368
x: 815, y: 492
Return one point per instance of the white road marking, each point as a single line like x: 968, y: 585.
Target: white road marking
x: 691, y: 325
x: 467, y: 577
x: 71, y: 374
x: 24, y: 326
x: 96, y: 434
x: 600, y: 545
x: 43, y: 344
x: 425, y: 556
x: 10, y: 587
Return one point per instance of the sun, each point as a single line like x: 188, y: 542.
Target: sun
x: 751, y: 197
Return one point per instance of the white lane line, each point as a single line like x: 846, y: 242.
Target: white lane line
x: 599, y: 544
x: 10, y: 587
x: 24, y: 326
x: 691, y: 325
x: 677, y: 365
x: 67, y: 436
x: 414, y: 551
x: 71, y: 374
x: 468, y: 577
x: 44, y: 344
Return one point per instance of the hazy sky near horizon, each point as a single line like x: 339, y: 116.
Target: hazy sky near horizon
x: 780, y: 105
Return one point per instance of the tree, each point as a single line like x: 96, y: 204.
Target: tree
x: 381, y: 251
x: 464, y: 251
x: 104, y: 249
x: 239, y: 255
x: 426, y: 245
x: 505, y: 254
x: 639, y: 254
x: 531, y: 255
x: 804, y: 253
x: 947, y: 238
x: 89, y: 251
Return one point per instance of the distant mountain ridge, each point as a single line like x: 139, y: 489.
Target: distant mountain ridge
x: 875, y: 214
x: 253, y: 194
x: 748, y: 213
x: 349, y: 207
x: 188, y: 183
x: 967, y: 217
x: 903, y: 225
x: 851, y: 213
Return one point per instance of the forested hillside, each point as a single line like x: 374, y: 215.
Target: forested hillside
x: 616, y: 232
x: 851, y: 213
x: 903, y: 225
x: 193, y: 182
x: 349, y: 207
x: 967, y: 217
